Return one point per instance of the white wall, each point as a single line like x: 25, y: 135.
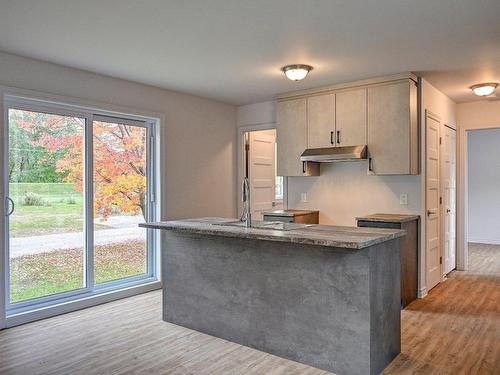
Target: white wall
x: 439, y: 104
x: 342, y: 191
x: 199, y: 135
x: 483, y: 148
x: 345, y: 190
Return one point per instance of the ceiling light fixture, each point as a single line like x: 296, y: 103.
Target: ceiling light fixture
x: 296, y: 72
x: 484, y: 89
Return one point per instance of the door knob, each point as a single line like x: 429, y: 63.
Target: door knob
x: 448, y: 210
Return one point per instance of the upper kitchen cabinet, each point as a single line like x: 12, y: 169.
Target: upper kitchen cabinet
x: 393, y: 128
x: 291, y: 136
x: 321, y: 121
x: 350, y: 118
x: 378, y: 112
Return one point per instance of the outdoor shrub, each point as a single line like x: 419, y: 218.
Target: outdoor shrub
x: 71, y: 200
x: 33, y: 199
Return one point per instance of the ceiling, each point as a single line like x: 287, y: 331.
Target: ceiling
x: 233, y: 50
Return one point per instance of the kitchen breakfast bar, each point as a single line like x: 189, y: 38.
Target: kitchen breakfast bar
x: 326, y: 296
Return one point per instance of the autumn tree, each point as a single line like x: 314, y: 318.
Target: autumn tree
x: 119, y: 157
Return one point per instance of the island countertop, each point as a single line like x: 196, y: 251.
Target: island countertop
x: 321, y: 235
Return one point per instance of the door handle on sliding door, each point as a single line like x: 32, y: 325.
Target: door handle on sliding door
x: 13, y: 206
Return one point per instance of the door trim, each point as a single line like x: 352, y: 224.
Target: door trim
x: 425, y: 289
x: 463, y: 192
x: 241, y: 162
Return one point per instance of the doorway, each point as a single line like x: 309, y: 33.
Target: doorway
x: 483, y: 179
x: 77, y: 184
x: 258, y: 163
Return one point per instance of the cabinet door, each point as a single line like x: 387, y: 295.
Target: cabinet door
x: 321, y: 121
x: 390, y: 128
x: 291, y: 138
x: 350, y: 117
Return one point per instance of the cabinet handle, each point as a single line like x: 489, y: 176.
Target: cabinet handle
x: 304, y: 166
x: 338, y: 136
x: 370, y: 164
x: 331, y: 138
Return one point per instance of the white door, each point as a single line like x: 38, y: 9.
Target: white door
x: 262, y: 171
x: 432, y: 224
x: 448, y: 192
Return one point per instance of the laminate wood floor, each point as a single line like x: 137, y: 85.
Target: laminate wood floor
x: 454, y: 330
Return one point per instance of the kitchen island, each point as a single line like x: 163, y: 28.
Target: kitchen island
x: 322, y: 295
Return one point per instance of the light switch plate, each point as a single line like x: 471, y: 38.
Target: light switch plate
x: 403, y: 199
x: 303, y: 197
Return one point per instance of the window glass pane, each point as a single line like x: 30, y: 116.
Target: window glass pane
x: 46, y: 227
x: 120, y: 200
x: 278, y: 193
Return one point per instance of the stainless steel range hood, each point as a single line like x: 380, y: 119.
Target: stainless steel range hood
x: 334, y: 154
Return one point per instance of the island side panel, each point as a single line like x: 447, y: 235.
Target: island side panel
x: 385, y: 302
x: 306, y: 303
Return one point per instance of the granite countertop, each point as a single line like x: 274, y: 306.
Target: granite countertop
x: 389, y: 218
x: 321, y: 235
x: 289, y: 212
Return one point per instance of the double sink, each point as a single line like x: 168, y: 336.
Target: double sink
x: 272, y: 225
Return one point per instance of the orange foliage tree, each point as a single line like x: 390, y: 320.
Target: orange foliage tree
x: 119, y: 158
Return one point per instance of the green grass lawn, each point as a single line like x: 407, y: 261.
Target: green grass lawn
x: 63, y: 211
x: 44, y: 274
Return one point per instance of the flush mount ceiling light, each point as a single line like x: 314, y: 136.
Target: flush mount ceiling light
x: 484, y: 89
x: 296, y: 72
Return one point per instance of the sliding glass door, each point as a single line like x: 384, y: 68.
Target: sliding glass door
x: 120, y: 198
x: 46, y: 204
x: 78, y: 186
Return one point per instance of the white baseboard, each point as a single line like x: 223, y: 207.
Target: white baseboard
x: 422, y: 292
x: 486, y: 241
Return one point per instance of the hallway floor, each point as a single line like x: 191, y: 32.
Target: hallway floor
x: 454, y: 330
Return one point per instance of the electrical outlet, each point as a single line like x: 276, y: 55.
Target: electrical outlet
x: 303, y: 197
x: 403, y: 199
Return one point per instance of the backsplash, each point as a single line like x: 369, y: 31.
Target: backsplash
x: 345, y: 190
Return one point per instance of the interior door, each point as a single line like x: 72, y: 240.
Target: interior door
x: 262, y: 169
x: 432, y: 222
x: 448, y: 183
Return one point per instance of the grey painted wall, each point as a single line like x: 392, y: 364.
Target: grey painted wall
x: 484, y: 185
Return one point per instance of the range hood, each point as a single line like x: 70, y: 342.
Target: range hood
x: 334, y: 154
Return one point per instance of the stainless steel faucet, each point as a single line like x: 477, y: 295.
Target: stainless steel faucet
x: 246, y: 216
